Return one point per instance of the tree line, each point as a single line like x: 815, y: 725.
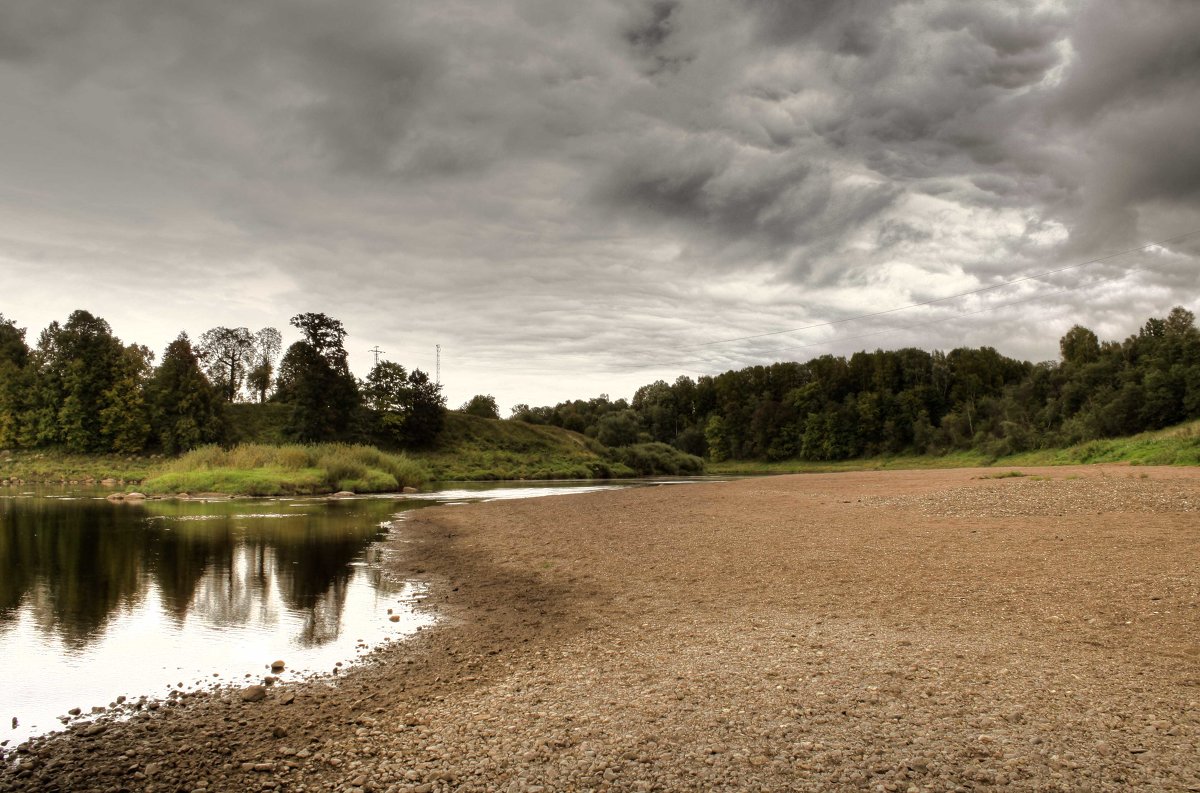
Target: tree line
x: 82, y: 389
x: 910, y: 400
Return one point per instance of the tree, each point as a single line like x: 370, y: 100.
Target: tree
x: 227, y: 353
x: 482, y: 405
x: 315, y: 379
x: 618, y: 429
x: 185, y: 409
x: 267, y: 345
x: 1079, y: 346
x: 427, y: 410
x: 14, y: 380
x: 13, y: 349
x: 76, y: 369
x: 406, y: 409
x: 124, y: 418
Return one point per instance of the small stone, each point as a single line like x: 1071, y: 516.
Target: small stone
x: 277, y: 666
x: 254, y: 693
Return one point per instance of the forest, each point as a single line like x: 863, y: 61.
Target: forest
x: 910, y: 401
x: 81, y: 389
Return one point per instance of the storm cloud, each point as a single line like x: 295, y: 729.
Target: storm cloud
x: 576, y: 198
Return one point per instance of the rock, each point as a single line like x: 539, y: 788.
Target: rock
x: 343, y: 494
x: 409, y: 490
x: 135, y: 496
x: 254, y: 693
x: 287, y: 699
x: 394, y: 618
x: 108, y: 482
x: 115, y: 496
x: 74, y: 711
x: 277, y: 666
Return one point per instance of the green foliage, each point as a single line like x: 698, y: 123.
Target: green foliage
x: 482, y: 405
x: 267, y: 346
x: 618, y: 429
x: 228, y: 354
x: 404, y: 410
x: 315, y: 380
x: 186, y: 411
x: 261, y: 470
x: 474, y: 448
x: 660, y: 459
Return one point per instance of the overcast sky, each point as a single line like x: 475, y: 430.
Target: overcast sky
x: 574, y: 198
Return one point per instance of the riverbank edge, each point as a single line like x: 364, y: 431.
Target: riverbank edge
x: 479, y: 632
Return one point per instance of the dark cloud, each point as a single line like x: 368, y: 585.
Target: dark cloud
x: 848, y: 27
x: 641, y: 173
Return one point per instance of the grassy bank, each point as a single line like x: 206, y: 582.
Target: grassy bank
x: 261, y: 470
x: 1178, y: 445
x: 480, y: 449
x: 52, y: 466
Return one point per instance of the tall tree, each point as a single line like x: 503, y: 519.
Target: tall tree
x: 14, y: 380
x: 315, y: 379
x: 77, y: 368
x: 228, y: 354
x: 186, y: 410
x: 407, y: 409
x: 267, y: 345
x: 426, y: 410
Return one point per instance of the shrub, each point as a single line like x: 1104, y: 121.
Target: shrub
x: 659, y: 459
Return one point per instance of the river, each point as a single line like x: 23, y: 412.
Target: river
x: 102, y: 600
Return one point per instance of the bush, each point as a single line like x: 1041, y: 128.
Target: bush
x: 659, y: 459
x: 258, y: 470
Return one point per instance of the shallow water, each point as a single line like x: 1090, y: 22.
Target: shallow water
x: 100, y: 600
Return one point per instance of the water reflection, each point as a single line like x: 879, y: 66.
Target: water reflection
x: 75, y: 563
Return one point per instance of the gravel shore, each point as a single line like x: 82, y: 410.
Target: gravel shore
x: 897, y: 631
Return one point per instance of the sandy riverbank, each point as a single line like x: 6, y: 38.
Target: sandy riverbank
x: 929, y: 630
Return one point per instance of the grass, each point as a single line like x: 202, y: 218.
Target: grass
x: 880, y: 463
x: 1178, y: 445
x: 51, y: 465
x: 478, y: 449
x: 267, y: 470
x: 475, y: 448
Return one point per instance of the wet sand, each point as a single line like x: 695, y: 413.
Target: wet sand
x: 928, y: 630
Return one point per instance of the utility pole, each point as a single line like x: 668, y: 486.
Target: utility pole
x: 377, y: 352
x: 438, y: 375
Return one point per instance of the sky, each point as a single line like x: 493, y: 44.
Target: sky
x: 582, y: 198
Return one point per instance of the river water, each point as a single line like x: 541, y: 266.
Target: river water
x: 101, y: 600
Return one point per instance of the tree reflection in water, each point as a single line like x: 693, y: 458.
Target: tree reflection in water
x: 76, y: 563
